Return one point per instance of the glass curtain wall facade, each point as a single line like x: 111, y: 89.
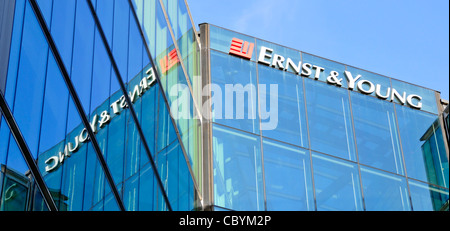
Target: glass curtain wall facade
x: 86, y: 119
x: 346, y: 138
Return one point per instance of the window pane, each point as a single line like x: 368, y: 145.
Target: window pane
x: 14, y: 54
x: 425, y: 158
x: 288, y: 177
x: 46, y: 9
x: 178, y: 182
x: 166, y: 131
x: 290, y: 114
x: 435, y: 158
x: 120, y: 37
x: 30, y: 81
x: 427, y: 197
x: 330, y: 124
x: 376, y: 133
x: 384, y: 191
x: 234, y: 92
x: 63, y: 19
x: 105, y: 13
x: 237, y: 170
x: 54, y: 115
x: 337, y: 184
x: 83, y: 52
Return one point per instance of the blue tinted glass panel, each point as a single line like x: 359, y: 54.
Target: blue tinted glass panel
x: 115, y: 156
x: 54, y: 115
x: 133, y: 148
x: 329, y: 119
x: 131, y: 193
x: 135, y: 51
x: 149, y: 117
x: 163, y: 38
x: 14, y: 54
x: 120, y: 37
x: 150, y: 25
x: 15, y: 159
x: 337, y: 184
x: 427, y: 197
x: 173, y: 171
x: 384, y: 191
x: 376, y: 133
x: 147, y: 189
x: 421, y: 147
x: 237, y: 170
x: 83, y: 52
x: 73, y: 173
x: 288, y: 114
x: 46, y: 9
x: 101, y: 79
x: 171, y: 10
x: 166, y: 131
x: 4, y: 140
x: 438, y: 155
x: 105, y: 12
x: 63, y: 19
x: 234, y: 92
x: 287, y: 173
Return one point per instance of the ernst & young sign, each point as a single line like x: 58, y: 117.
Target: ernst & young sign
x: 268, y: 57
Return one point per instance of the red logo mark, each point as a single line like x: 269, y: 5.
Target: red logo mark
x: 241, y: 48
x: 168, y: 61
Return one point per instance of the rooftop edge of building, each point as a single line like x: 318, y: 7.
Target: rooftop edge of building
x: 439, y: 92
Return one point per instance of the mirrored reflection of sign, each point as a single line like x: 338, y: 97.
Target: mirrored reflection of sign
x: 168, y: 61
x: 100, y: 121
x: 16, y: 188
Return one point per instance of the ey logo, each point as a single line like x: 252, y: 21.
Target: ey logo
x: 169, y: 61
x: 241, y: 48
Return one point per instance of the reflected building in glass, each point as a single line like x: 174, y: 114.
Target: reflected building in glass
x: 86, y: 110
x: 124, y: 105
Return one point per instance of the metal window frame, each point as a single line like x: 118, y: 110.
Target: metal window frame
x: 207, y: 144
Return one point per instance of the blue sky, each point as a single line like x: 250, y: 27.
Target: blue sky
x: 403, y: 39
